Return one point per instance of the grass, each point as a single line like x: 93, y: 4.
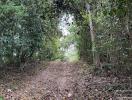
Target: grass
x: 1, y: 98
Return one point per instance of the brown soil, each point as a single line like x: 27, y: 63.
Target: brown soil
x: 56, y: 81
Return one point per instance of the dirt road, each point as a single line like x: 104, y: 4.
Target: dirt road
x: 53, y: 83
x: 58, y: 81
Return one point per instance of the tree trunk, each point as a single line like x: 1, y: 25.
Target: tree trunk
x: 96, y: 59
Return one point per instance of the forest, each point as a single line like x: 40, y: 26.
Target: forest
x: 65, y: 50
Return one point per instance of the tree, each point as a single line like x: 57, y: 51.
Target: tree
x: 23, y: 26
x: 93, y: 37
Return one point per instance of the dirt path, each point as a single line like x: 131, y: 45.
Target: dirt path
x: 59, y: 81
x: 54, y: 83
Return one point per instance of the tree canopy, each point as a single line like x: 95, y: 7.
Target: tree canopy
x: 29, y: 30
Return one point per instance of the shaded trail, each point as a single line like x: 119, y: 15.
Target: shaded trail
x: 54, y: 83
x: 59, y: 81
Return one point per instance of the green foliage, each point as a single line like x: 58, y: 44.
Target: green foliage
x: 23, y: 26
x: 50, y: 50
x: 112, y: 25
x: 29, y: 29
x: 10, y: 7
x: 1, y: 98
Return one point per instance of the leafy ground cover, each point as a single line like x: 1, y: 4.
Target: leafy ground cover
x: 61, y: 81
